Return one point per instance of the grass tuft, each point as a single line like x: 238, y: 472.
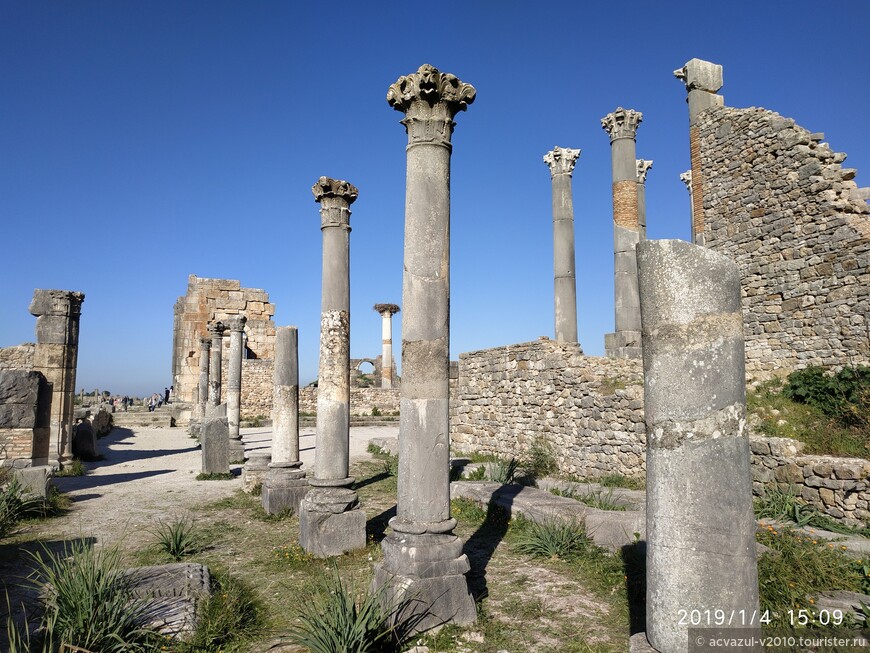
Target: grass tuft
x: 177, y: 539
x: 217, y: 476
x: 551, y: 539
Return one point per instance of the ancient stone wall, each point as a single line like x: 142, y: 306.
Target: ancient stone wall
x: 838, y: 487
x: 19, y: 357
x: 257, y: 380
x: 23, y: 422
x: 778, y: 202
x: 587, y: 410
x: 362, y: 400
x: 218, y: 299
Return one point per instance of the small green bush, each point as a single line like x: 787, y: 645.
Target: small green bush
x: 376, y: 412
x: 600, y: 499
x: 73, y: 468
x: 503, y: 471
x: 478, y: 474
x: 551, y: 539
x: 540, y: 461
x: 15, y: 505
x: 843, y: 395
x: 177, y: 539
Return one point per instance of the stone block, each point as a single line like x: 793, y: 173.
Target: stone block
x: 326, y: 534
x: 84, y: 442
x: 215, y: 441
x: 254, y: 471
x: 35, y: 480
x: 172, y: 595
x: 284, y: 488
x: 19, y: 386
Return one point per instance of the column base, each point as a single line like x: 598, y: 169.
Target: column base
x: 623, y: 344
x: 237, y: 451
x: 254, y: 471
x: 330, y: 521
x: 284, y: 488
x: 423, y: 578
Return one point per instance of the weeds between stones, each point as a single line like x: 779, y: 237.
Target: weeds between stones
x: 177, y: 539
x: 216, y: 476
x: 786, y: 505
x: 600, y: 499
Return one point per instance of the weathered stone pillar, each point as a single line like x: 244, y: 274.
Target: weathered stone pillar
x: 330, y: 521
x: 234, y: 386
x: 285, y: 485
x: 214, y: 372
x: 643, y: 168
x: 686, y: 178
x: 702, y: 79
x: 700, y: 524
x: 561, y: 162
x: 423, y: 559
x: 387, y: 311
x: 56, y: 356
x: 622, y: 126
x: 202, y: 398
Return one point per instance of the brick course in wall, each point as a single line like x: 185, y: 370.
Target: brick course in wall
x: 778, y: 202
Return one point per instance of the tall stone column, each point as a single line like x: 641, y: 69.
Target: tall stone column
x: 202, y: 390
x: 561, y: 162
x: 57, y: 345
x: 216, y: 329
x: 387, y: 311
x: 702, y: 79
x: 285, y: 486
x: 700, y: 524
x: 643, y: 168
x: 234, y: 386
x: 330, y: 521
x: 423, y: 559
x: 622, y: 126
x: 686, y: 178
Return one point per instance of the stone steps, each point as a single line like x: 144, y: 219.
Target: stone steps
x: 157, y: 419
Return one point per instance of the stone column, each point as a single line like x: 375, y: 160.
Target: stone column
x: 702, y: 79
x: 234, y: 386
x: 57, y: 344
x: 643, y: 168
x: 686, y: 178
x: 622, y: 126
x: 285, y: 485
x: 202, y: 396
x: 700, y: 525
x: 561, y: 162
x: 330, y: 521
x: 423, y: 559
x: 387, y: 311
x: 214, y: 373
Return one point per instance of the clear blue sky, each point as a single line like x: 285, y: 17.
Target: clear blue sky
x: 141, y: 142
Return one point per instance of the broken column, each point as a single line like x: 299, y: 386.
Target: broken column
x: 423, y: 560
x: 702, y: 79
x: 686, y: 178
x: 330, y: 521
x: 387, y: 311
x: 202, y: 398
x: 643, y: 168
x: 234, y: 386
x: 622, y: 126
x: 56, y: 356
x: 700, y: 524
x: 216, y: 329
x: 285, y: 486
x: 561, y: 162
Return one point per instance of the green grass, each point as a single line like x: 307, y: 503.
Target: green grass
x: 550, y: 539
x: 177, y: 539
x: 217, y: 476
x: 600, y: 499
x: 785, y: 505
x: 73, y: 468
x: 620, y: 481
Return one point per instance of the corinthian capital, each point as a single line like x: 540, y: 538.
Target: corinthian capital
x: 643, y: 166
x: 561, y: 160
x: 686, y: 178
x: 622, y: 123
x: 216, y: 329
x: 432, y: 86
x: 326, y: 187
x: 237, y: 323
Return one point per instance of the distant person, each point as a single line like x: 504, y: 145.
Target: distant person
x: 166, y: 396
x: 151, y: 404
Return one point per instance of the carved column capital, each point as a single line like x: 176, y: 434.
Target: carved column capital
x: 701, y: 75
x: 561, y: 160
x: 67, y: 303
x: 237, y: 323
x: 216, y: 329
x: 386, y: 310
x: 643, y: 167
x: 622, y: 123
x: 205, y: 343
x: 335, y: 197
x: 430, y: 99
x: 686, y: 178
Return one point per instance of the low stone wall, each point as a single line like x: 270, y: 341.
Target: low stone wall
x: 19, y: 403
x: 362, y: 400
x: 587, y: 410
x: 838, y: 487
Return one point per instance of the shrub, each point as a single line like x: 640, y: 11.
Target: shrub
x: 844, y: 395
x: 551, y: 539
x: 376, y: 412
x: 540, y: 461
x: 73, y: 468
x: 15, y: 505
x: 231, y: 614
x: 503, y: 472
x: 177, y: 539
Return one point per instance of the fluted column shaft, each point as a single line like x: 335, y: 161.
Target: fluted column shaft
x: 214, y: 373
x: 234, y: 375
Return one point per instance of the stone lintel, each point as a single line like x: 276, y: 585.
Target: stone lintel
x: 701, y: 75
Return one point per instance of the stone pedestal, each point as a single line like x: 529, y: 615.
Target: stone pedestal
x: 284, y: 488
x: 56, y: 355
x: 234, y: 387
x: 700, y: 524
x: 215, y: 441
x: 330, y: 521
x: 35, y: 481
x: 422, y: 557
x: 622, y: 126
x: 254, y: 471
x: 561, y: 162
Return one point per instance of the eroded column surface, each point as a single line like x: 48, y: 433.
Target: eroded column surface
x: 643, y: 168
x: 56, y: 355
x: 234, y: 385
x: 386, y: 312
x: 216, y: 329
x: 700, y: 524
x: 285, y: 486
x: 702, y: 79
x: 330, y: 521
x: 561, y: 162
x: 202, y: 390
x: 423, y: 559
x: 622, y: 126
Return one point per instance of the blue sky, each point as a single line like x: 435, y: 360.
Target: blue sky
x: 141, y: 142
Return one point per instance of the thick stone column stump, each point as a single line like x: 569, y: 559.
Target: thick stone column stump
x: 284, y: 488
x: 330, y: 521
x: 423, y: 559
x: 215, y: 441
